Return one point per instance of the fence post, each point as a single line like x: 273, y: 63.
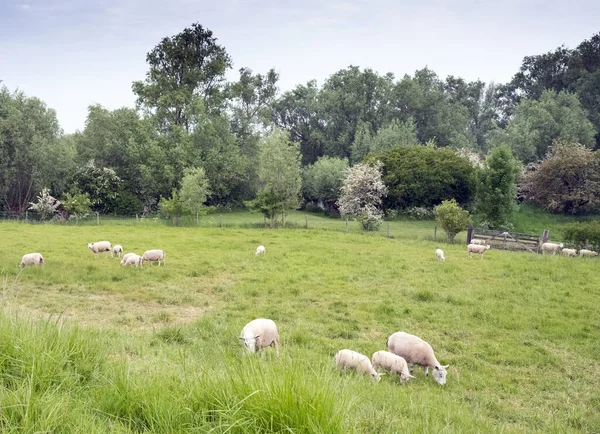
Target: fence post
x: 504, y: 242
x: 346, y: 224
x: 469, y: 234
x: 221, y: 221
x: 97, y: 218
x: 435, y: 233
x: 306, y: 218
x: 587, y: 243
x: 545, y: 236
x: 26, y: 216
x: 265, y: 220
x: 197, y: 221
x: 137, y: 219
x: 388, y: 230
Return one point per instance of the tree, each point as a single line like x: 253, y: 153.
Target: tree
x: 393, y: 134
x: 194, y: 191
x: 362, y: 195
x: 100, y: 183
x: 452, y: 218
x: 171, y: 208
x: 497, y: 187
x: 279, y: 169
x: 186, y: 73
x: 568, y: 181
x: 555, y: 117
x: 421, y: 176
x: 267, y: 203
x: 77, y: 204
x: 46, y: 205
x: 323, y: 180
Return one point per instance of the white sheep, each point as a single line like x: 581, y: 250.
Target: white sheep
x: 100, y: 246
x: 417, y: 352
x: 586, y: 252
x: 359, y: 362
x: 439, y: 254
x: 551, y: 248
x: 117, y: 251
x: 131, y: 259
x: 475, y: 248
x: 260, y: 250
x: 569, y: 252
x: 260, y: 333
x: 31, y: 259
x: 154, y: 256
x: 393, y: 363
x: 478, y: 242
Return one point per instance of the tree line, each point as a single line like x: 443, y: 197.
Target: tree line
x: 195, y: 140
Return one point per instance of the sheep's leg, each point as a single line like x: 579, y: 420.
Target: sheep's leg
x: 426, y: 371
x: 411, y: 367
x: 276, y: 345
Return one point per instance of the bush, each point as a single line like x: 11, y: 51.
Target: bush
x: 577, y: 234
x: 452, y: 218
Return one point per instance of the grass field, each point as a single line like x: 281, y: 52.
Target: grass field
x: 88, y: 346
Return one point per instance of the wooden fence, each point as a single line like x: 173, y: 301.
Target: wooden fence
x: 508, y: 240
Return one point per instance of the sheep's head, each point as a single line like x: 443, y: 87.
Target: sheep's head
x: 249, y: 341
x: 405, y: 377
x: 375, y: 376
x: 561, y: 245
x: 439, y: 374
x: 90, y: 245
x: 487, y: 247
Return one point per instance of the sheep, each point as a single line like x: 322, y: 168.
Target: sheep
x: 131, y: 259
x: 100, y: 246
x: 117, y: 251
x: 393, y: 363
x: 154, y: 256
x: 478, y: 242
x: 439, y: 254
x: 417, y: 352
x: 260, y: 250
x: 586, y: 252
x: 475, y: 248
x: 359, y: 362
x: 551, y: 248
x: 569, y: 252
x: 260, y: 333
x: 31, y: 259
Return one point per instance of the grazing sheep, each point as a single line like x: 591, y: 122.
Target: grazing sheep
x: 260, y: 333
x: 569, y: 252
x: 439, y: 254
x: 359, y: 362
x: 31, y: 259
x: 131, y: 259
x: 417, y: 352
x: 551, y: 248
x: 475, y: 248
x: 478, y: 242
x: 100, y: 246
x: 154, y: 256
x: 260, y: 250
x: 586, y: 252
x: 117, y: 251
x: 393, y: 363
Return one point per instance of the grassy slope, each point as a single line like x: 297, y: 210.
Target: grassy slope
x: 520, y: 332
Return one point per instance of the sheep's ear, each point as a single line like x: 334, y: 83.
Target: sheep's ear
x: 411, y: 376
x: 240, y: 338
x: 257, y: 336
x: 445, y: 367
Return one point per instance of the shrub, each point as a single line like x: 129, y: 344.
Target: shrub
x: 578, y: 234
x: 452, y: 218
x: 46, y: 205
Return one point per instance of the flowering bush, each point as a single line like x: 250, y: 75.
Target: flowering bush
x: 46, y: 205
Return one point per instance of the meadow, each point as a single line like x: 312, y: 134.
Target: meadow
x: 87, y: 345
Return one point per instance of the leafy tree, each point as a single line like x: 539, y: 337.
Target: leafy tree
x: 172, y: 208
x: 100, y: 183
x: 394, y: 134
x: 323, y: 180
x: 497, y: 187
x: 267, y: 203
x: 279, y: 168
x: 568, y: 181
x: 452, y: 218
x: 186, y: 73
x: 555, y: 117
x: 77, y: 204
x: 421, y: 176
x: 46, y: 205
x: 194, y: 191
x: 362, y: 195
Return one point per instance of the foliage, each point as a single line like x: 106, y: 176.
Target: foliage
x: 497, y: 187
x: 389, y: 136
x: 322, y: 181
x: 362, y: 194
x: 583, y: 235
x: 452, y: 218
x: 424, y: 176
x: 77, y: 204
x: 194, y: 190
x: 268, y: 204
x: 171, y: 208
x: 100, y: 183
x: 46, y: 206
x: 418, y: 213
x: 568, y: 181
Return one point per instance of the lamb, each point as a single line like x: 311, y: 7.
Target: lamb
x: 31, y: 259
x: 117, y: 251
x: 100, y: 246
x: 260, y: 333
x: 475, y: 248
x: 131, y: 259
x: 359, y: 362
x: 154, y: 256
x: 260, y: 250
x: 392, y: 363
x: 439, y: 254
x: 478, y: 242
x: 569, y: 252
x: 586, y: 252
x: 417, y: 352
x: 551, y: 248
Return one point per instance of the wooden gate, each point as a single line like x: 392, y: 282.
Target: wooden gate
x: 505, y: 240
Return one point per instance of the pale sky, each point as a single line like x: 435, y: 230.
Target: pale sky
x: 73, y: 53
